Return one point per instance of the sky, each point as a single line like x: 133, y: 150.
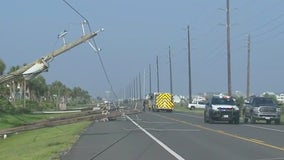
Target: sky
x: 137, y: 32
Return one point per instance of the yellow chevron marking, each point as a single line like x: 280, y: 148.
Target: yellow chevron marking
x: 164, y: 101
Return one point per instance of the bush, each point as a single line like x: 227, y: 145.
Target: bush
x: 46, y: 105
x: 6, y: 106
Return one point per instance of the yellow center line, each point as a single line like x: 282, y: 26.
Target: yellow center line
x: 259, y: 142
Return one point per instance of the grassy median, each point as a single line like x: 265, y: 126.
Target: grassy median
x: 41, y: 144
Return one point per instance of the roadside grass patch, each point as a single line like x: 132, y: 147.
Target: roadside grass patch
x: 41, y: 144
x: 183, y: 108
x: 14, y: 120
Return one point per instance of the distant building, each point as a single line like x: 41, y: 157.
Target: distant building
x: 280, y: 98
x: 177, y: 99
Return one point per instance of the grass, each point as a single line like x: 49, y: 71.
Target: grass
x: 41, y: 144
x: 183, y: 108
x: 14, y: 120
x: 48, y: 143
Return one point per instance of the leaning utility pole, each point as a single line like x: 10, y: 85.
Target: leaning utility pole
x: 189, y: 66
x: 229, y: 49
x: 158, y: 83
x: 248, y: 68
x: 41, y: 64
x: 171, y: 79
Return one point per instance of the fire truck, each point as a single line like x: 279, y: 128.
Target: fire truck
x: 161, y: 102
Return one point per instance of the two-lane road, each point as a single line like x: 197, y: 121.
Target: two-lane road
x: 177, y: 135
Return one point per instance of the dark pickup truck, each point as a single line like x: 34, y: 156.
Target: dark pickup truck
x: 261, y: 108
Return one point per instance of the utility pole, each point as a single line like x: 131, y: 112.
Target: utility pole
x: 248, y: 67
x: 189, y: 66
x: 144, y: 84
x: 134, y: 89
x: 158, y: 84
x: 229, y: 49
x: 171, y: 80
x: 140, y: 95
x: 150, y: 81
x: 47, y: 58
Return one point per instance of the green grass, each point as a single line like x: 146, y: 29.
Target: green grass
x: 41, y: 144
x: 182, y: 108
x: 14, y: 120
x: 48, y: 143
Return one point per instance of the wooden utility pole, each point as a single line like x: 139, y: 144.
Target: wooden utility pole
x: 150, y: 80
x: 144, y: 84
x: 248, y: 68
x: 134, y: 89
x: 229, y: 49
x: 140, y: 89
x: 171, y: 77
x: 189, y: 66
x: 47, y: 58
x: 158, y: 83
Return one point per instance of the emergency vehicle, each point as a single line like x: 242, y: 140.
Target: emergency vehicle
x: 161, y: 102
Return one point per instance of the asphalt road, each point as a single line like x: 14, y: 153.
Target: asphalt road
x: 167, y: 136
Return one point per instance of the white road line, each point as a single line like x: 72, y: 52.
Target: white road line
x: 270, y: 129
x: 158, y: 122
x: 165, y: 130
x: 280, y: 158
x: 157, y: 140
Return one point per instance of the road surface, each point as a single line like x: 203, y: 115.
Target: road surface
x: 177, y: 135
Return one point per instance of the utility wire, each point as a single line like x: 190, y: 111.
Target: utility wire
x: 96, y: 48
x: 111, y: 145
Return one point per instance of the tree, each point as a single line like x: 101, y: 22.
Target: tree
x: 12, y: 85
x: 4, y: 90
x: 267, y: 95
x: 2, y: 67
x: 80, y: 96
x: 37, y: 88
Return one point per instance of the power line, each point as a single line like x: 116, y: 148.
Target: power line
x: 96, y: 48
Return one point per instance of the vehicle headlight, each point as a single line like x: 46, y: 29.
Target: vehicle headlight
x: 255, y: 109
x: 278, y: 109
x: 215, y: 109
x: 236, y: 108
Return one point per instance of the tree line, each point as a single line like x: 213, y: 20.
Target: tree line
x: 20, y: 95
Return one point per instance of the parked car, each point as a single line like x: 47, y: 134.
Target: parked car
x: 221, y: 108
x: 196, y: 104
x: 261, y: 108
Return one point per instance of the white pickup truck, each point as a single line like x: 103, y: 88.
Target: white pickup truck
x: 196, y: 104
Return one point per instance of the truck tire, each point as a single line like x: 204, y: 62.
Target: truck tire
x: 252, y: 120
x: 277, y: 121
x: 204, y: 117
x: 237, y: 120
x: 245, y: 119
x: 210, y: 119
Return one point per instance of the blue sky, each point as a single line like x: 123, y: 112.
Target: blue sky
x: 138, y: 31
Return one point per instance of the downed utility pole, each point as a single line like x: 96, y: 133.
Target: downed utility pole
x: 33, y: 69
x: 86, y: 116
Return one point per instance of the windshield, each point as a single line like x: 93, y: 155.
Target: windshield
x: 223, y: 101
x: 263, y: 102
